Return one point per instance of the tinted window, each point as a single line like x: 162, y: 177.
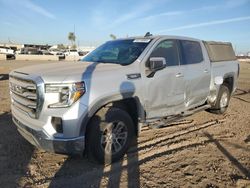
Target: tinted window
x: 168, y: 50
x: 191, y: 52
x: 122, y: 52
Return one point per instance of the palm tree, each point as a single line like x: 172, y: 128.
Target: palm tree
x: 72, y: 37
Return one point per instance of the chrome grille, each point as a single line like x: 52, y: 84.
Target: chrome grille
x: 25, y: 96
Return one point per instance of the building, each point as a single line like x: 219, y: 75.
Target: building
x: 12, y: 46
x: 37, y: 46
x: 16, y: 47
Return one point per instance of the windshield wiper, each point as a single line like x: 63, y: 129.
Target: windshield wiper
x: 111, y: 62
x: 100, y: 61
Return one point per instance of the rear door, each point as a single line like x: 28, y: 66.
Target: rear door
x: 196, y: 73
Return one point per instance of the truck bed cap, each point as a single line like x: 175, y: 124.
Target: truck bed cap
x: 219, y: 51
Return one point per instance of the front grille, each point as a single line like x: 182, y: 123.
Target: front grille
x: 25, y: 96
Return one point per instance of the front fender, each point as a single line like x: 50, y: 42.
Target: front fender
x: 104, y: 101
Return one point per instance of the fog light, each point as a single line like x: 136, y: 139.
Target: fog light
x: 57, y: 124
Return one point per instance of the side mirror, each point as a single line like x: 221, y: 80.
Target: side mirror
x: 157, y: 63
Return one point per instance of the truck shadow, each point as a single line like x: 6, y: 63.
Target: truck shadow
x: 80, y: 172
x: 88, y: 174
x: 77, y: 172
x: 15, y: 153
x: 229, y: 156
x: 240, y: 92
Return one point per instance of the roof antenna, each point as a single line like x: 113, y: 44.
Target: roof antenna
x: 148, y: 34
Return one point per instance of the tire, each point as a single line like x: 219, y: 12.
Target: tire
x: 222, y: 102
x: 109, y: 135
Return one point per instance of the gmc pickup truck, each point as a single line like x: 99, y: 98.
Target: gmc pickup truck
x: 98, y: 105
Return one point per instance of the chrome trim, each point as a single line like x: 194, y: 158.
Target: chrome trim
x: 39, y: 87
x: 40, y: 95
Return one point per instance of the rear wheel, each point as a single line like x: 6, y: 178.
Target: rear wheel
x: 109, y: 135
x: 222, y: 102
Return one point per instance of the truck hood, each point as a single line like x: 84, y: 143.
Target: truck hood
x: 68, y: 71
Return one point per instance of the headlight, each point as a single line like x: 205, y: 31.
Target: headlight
x: 68, y: 93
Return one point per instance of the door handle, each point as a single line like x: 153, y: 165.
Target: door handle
x: 206, y: 71
x: 178, y: 75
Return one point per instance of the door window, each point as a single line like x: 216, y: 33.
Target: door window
x: 191, y: 52
x: 168, y: 50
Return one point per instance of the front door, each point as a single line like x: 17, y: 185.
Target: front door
x: 165, y: 89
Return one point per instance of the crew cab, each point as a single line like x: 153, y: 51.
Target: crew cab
x: 98, y: 105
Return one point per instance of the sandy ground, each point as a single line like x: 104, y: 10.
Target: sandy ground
x: 203, y: 150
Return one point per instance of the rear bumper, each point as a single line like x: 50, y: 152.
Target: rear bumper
x: 57, y: 145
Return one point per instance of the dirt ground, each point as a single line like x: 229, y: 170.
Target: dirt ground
x: 203, y: 150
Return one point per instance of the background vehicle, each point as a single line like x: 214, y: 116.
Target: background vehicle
x: 30, y: 50
x: 18, y: 51
x: 54, y: 51
x: 100, y: 104
x: 60, y: 55
x: 8, y: 51
x: 71, y: 52
x: 45, y: 52
x: 82, y: 53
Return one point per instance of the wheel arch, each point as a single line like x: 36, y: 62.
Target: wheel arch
x: 131, y: 105
x: 229, y: 81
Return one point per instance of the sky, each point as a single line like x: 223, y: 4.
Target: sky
x: 50, y: 21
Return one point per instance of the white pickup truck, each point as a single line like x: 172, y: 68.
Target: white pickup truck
x: 8, y: 51
x: 98, y: 105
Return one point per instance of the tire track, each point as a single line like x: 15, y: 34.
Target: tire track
x: 152, y: 149
x: 168, y: 129
x: 243, y: 92
x: 241, y: 99
x: 165, y: 130
x: 162, y: 147
x: 120, y: 167
x: 151, y: 144
x: 156, y: 153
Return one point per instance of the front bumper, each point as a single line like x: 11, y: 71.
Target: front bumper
x: 57, y: 145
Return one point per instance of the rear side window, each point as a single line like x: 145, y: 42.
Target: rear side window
x: 191, y: 52
x: 168, y: 50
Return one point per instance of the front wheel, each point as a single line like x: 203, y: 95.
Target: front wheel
x: 109, y: 135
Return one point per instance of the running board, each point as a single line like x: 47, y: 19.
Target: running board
x: 198, y: 109
x: 163, y: 121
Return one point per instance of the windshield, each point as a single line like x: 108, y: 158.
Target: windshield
x: 121, y: 52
